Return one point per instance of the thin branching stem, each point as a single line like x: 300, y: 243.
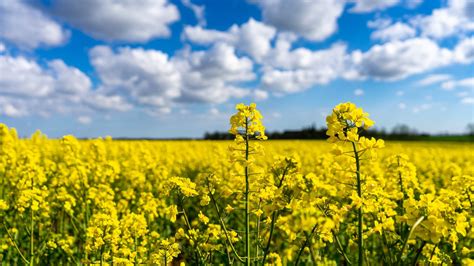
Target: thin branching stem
x: 405, y: 243
x: 15, y: 245
x: 214, y: 203
x: 274, y: 218
x: 360, y: 237
x: 305, y: 243
x: 247, y: 207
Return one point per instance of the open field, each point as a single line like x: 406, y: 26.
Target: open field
x: 163, y: 202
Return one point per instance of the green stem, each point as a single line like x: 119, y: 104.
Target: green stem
x: 341, y: 249
x: 308, y: 238
x: 359, y: 211
x: 247, y: 207
x: 267, y: 248
x: 136, y: 250
x: 274, y: 218
x: 32, y: 229
x: 257, y: 239
x: 224, y: 227
x: 433, y: 252
x: 338, y: 242
x: 198, y: 251
x: 419, y: 253
x: 14, y: 244
x: 400, y: 256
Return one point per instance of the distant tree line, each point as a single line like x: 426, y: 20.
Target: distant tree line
x: 398, y: 132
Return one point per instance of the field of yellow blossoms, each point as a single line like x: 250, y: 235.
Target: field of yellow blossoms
x: 350, y: 200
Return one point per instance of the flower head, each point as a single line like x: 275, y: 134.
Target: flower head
x: 247, y: 121
x: 345, y: 122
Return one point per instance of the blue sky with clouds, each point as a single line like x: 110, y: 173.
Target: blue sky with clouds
x: 176, y: 68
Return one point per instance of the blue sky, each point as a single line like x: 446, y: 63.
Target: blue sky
x: 176, y: 68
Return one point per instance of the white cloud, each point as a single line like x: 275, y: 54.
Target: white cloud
x: 197, y: 10
x: 402, y: 106
x: 146, y: 76
x: 400, y: 93
x: 433, y: 79
x: 10, y: 109
x: 28, y: 88
x: 467, y: 100
x: 397, y: 31
x: 214, y: 111
x: 69, y: 80
x: 252, y: 37
x: 358, y: 92
x: 276, y: 115
x: 27, y: 27
x: 379, y: 23
x: 455, y: 18
x: 260, y: 95
x: 452, y: 84
x: 314, y: 20
x: 2, y: 47
x: 366, y: 6
x: 23, y: 77
x: 213, y: 75
x: 104, y: 102
x: 422, y: 107
x: 413, y: 3
x: 464, y: 51
x: 119, y: 20
x: 150, y: 78
x: 399, y: 59
x: 290, y: 71
x: 85, y: 120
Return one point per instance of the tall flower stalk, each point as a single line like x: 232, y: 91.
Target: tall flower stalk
x: 246, y: 125
x: 344, y: 126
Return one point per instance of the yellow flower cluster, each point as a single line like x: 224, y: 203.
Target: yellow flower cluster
x: 346, y: 201
x: 247, y: 122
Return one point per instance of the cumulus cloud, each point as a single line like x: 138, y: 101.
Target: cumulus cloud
x: 252, y: 37
x: 413, y: 3
x: 464, y: 51
x: 23, y: 77
x: 358, y: 92
x: 397, y: 31
x: 151, y: 78
x: 422, y: 107
x: 104, y: 102
x: 85, y: 120
x: 399, y: 59
x: 290, y: 71
x: 11, y: 109
x: 198, y: 11
x: 213, y: 75
x: 28, y: 88
x: 119, y: 20
x: 27, y: 27
x: 146, y: 76
x: 467, y: 100
x: 463, y: 83
x: 314, y: 20
x: 260, y: 95
x: 455, y: 18
x: 366, y: 6
x: 433, y: 79
x: 68, y: 80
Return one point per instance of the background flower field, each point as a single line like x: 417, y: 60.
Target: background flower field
x: 104, y: 202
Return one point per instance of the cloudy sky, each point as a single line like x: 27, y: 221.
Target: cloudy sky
x: 176, y: 68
